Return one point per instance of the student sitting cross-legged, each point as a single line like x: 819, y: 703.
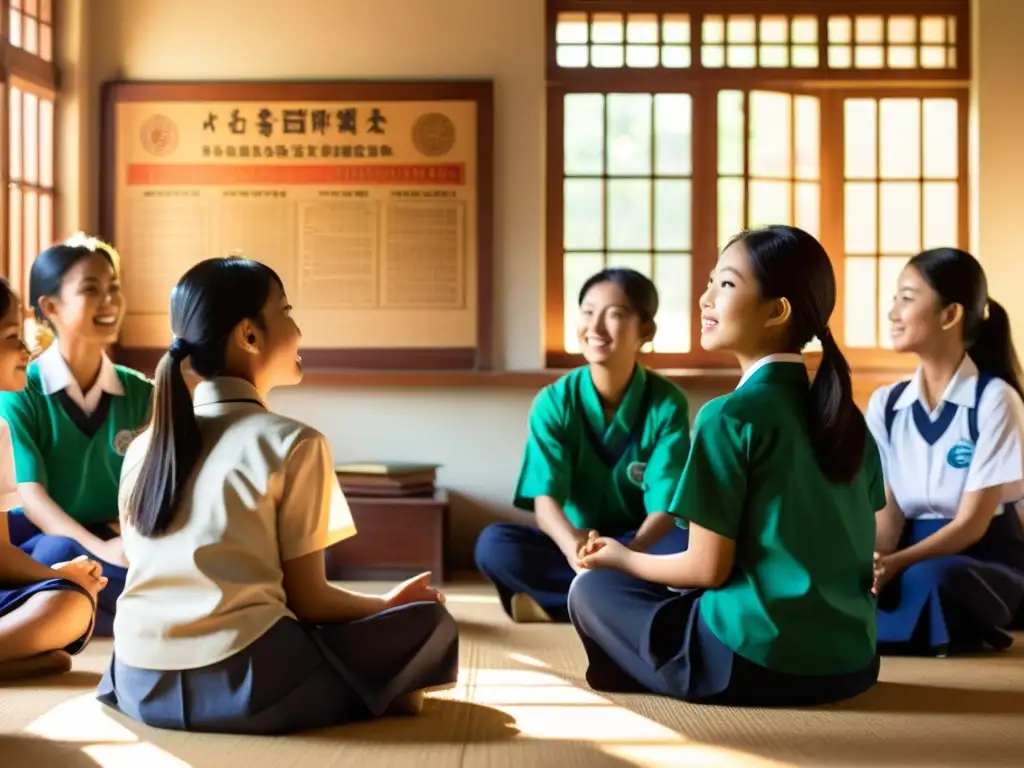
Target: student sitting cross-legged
x: 606, y: 446
x: 771, y: 603
x: 46, y: 613
x: 227, y: 622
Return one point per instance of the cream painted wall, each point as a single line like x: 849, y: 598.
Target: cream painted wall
x: 476, y: 434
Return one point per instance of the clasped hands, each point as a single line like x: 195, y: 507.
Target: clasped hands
x: 596, y: 551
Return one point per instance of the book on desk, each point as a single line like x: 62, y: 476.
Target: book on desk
x: 378, y: 479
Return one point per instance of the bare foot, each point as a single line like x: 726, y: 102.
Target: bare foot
x: 49, y: 663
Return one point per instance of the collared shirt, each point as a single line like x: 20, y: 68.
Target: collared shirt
x: 781, y: 357
x: 56, y: 376
x: 263, y: 492
x: 928, y: 455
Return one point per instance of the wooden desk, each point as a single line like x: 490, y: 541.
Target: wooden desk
x: 395, y: 539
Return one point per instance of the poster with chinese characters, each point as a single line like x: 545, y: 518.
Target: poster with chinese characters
x: 369, y: 208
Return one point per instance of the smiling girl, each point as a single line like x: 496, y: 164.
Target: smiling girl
x: 72, y: 423
x: 771, y: 603
x: 605, y: 448
x: 951, y: 565
x: 46, y: 614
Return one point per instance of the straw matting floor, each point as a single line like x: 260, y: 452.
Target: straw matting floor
x: 521, y: 703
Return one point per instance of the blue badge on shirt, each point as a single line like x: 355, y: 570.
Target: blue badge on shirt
x: 959, y: 456
x: 635, y: 472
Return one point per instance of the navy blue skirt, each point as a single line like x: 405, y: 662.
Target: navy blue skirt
x: 645, y: 638
x: 956, y: 603
x: 297, y: 676
x: 13, y: 597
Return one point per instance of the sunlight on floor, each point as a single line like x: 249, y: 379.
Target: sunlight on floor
x: 544, y: 707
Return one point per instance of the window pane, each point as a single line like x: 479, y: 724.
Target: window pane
x: 629, y: 215
x: 730, y: 132
x: 868, y: 29
x: 45, y: 12
x: 933, y: 57
x: 740, y: 29
x: 31, y: 138
x: 774, y: 29
x: 673, y: 276
x: 14, y: 219
x: 15, y: 26
x: 808, y: 208
x: 741, y: 56
x: 31, y: 233
x: 840, y: 57
x: 712, y: 56
x: 675, y: 56
x: 941, y: 215
x: 941, y: 149
x: 571, y: 56
x: 672, y: 216
x: 861, y: 225
x: 641, y: 262
x: 889, y: 268
x: 933, y: 29
x: 808, y: 137
x: 860, y: 146
x: 900, y: 138
x: 731, y: 209
x: 805, y: 29
x: 584, y: 133
x: 860, y: 305
x: 673, y: 125
x: 577, y: 267
x: 902, y: 56
x: 46, y: 42
x: 45, y: 221
x: 805, y: 56
x: 869, y: 56
x: 607, y: 56
x: 46, y: 143
x: 606, y: 28
x: 769, y: 203
x: 675, y: 28
x: 642, y: 28
x: 641, y: 56
x: 900, y: 208
x: 714, y: 29
x: 774, y: 56
x: 902, y: 29
x: 31, y: 35
x: 629, y: 134
x: 14, y: 124
x: 584, y: 214
x: 571, y: 28
x: 840, y: 29
x: 770, y: 137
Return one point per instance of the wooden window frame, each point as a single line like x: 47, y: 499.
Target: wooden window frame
x: 32, y: 74
x: 831, y: 87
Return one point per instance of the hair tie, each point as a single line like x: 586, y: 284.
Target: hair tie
x: 179, y: 349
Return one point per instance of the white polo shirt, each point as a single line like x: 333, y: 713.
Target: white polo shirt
x: 56, y: 376
x: 264, y: 492
x: 930, y: 460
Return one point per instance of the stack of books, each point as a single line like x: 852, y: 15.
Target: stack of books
x: 378, y: 479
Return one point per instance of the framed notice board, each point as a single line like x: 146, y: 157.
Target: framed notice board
x: 372, y: 200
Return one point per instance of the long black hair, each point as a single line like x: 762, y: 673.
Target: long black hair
x: 51, y: 266
x: 958, y: 278
x: 7, y: 295
x: 209, y: 301
x: 789, y: 263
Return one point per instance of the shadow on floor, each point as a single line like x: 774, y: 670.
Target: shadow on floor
x: 931, y: 699
x: 73, y: 679
x: 30, y: 750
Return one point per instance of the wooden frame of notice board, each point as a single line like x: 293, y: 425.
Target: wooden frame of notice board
x: 342, y: 187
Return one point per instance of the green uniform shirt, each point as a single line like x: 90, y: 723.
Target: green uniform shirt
x: 799, y: 599
x: 76, y: 458
x: 605, y: 476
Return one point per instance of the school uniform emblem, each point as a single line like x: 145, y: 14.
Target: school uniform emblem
x: 122, y: 440
x: 959, y: 456
x: 635, y: 472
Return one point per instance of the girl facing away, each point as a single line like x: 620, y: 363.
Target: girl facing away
x: 227, y: 622
x: 606, y: 446
x: 951, y: 549
x: 46, y: 613
x: 72, y: 423
x: 771, y: 603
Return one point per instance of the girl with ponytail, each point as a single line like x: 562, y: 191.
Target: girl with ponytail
x: 950, y: 564
x: 771, y: 602
x: 227, y: 622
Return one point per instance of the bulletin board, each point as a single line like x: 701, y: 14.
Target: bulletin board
x: 372, y: 200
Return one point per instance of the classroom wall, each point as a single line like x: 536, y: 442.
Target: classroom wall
x: 477, y: 435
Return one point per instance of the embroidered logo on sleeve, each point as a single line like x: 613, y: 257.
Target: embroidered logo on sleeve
x: 959, y: 456
x: 122, y: 440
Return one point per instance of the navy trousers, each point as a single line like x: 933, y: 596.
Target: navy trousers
x: 297, y: 676
x: 50, y: 550
x: 643, y: 637
x: 956, y: 603
x: 522, y: 559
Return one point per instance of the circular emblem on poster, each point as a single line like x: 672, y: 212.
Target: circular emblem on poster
x: 159, y: 135
x: 433, y: 134
x: 122, y: 440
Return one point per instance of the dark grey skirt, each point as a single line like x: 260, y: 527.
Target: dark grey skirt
x: 297, y: 676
